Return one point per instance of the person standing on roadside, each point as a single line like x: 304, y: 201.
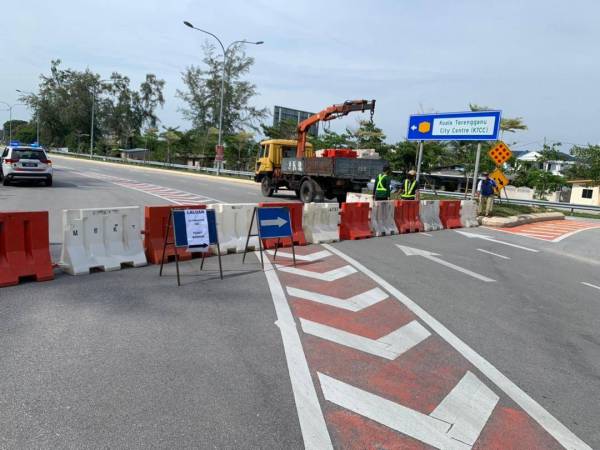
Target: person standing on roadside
x: 485, y: 191
x: 409, y: 189
x: 382, y: 186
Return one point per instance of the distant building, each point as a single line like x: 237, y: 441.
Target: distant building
x: 139, y: 154
x: 282, y: 114
x: 585, y: 192
x: 555, y: 167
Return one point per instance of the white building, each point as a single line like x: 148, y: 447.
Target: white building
x: 556, y: 167
x: 585, y: 192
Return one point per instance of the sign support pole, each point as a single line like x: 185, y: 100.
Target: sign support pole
x: 162, y: 260
x: 419, y: 161
x: 476, y: 170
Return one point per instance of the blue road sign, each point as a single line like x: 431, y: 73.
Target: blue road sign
x: 180, y: 228
x: 274, y: 222
x: 460, y: 126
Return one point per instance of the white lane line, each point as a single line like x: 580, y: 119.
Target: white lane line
x: 492, y: 253
x: 564, y: 236
x: 426, y: 234
x: 332, y: 275
x: 468, y: 407
x: 355, y: 304
x: 389, y: 347
x: 310, y: 415
x: 311, y: 258
x: 546, y: 420
x: 404, y: 420
x: 485, y: 237
x: 410, y: 251
x: 127, y: 184
x: 590, y: 285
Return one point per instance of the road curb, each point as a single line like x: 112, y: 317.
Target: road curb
x: 513, y: 221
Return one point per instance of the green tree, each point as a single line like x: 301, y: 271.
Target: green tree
x: 587, y: 164
x: 286, y: 129
x: 203, y: 89
x: 172, y: 136
x: 64, y: 104
x: 330, y: 139
x: 507, y: 124
x: 368, y: 135
x: 13, y: 125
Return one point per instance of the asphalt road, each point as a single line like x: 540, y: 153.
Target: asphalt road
x: 126, y: 359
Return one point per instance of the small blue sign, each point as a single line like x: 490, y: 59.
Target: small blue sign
x: 180, y: 228
x: 274, y: 222
x: 460, y: 126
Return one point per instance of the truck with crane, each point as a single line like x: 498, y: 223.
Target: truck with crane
x: 293, y: 164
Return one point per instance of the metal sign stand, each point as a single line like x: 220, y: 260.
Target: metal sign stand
x: 166, y: 242
x: 255, y: 216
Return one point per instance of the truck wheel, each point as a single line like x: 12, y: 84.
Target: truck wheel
x: 307, y: 191
x: 266, y: 188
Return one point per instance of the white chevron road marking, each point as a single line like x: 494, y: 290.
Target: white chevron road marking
x: 356, y: 303
x: 465, y: 412
x: 310, y: 258
x: 390, y: 346
x: 332, y: 275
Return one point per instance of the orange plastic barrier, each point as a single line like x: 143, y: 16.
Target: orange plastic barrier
x: 24, y: 247
x: 450, y: 213
x: 296, y: 212
x: 407, y: 216
x: 155, y: 227
x: 354, y: 221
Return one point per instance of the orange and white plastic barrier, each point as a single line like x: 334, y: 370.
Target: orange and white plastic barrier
x: 320, y: 222
x: 382, y: 218
x: 468, y: 213
x: 233, y: 223
x: 429, y: 213
x: 24, y: 247
x: 103, y: 239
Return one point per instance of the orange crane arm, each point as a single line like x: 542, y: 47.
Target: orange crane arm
x: 330, y: 113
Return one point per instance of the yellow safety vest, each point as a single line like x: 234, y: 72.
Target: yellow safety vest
x: 409, y: 189
x: 380, y: 186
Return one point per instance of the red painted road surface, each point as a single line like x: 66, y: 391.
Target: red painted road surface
x: 552, y: 230
x: 382, y: 386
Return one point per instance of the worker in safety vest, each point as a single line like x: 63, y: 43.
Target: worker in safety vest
x: 409, y: 189
x: 381, y: 188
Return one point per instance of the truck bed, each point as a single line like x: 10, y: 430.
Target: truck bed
x: 342, y: 168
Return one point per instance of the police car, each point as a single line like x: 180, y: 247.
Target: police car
x: 25, y: 163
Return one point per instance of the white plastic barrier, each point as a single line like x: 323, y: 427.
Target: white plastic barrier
x: 429, y: 213
x: 103, y: 239
x: 320, y: 222
x: 233, y: 222
x: 382, y: 218
x: 355, y: 197
x: 468, y: 213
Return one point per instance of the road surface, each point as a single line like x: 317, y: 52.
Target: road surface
x: 429, y: 340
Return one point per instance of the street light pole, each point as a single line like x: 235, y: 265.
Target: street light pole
x: 37, y: 116
x: 225, y: 51
x: 10, y: 108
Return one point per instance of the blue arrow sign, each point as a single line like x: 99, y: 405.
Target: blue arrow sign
x: 274, y: 222
x: 460, y: 126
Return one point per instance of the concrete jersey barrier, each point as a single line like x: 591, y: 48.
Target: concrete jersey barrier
x: 320, y: 222
x: 103, y: 239
x: 429, y: 212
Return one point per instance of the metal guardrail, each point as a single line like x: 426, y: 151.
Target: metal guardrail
x: 233, y: 173
x: 557, y: 205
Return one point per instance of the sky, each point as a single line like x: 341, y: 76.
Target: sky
x: 536, y: 59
